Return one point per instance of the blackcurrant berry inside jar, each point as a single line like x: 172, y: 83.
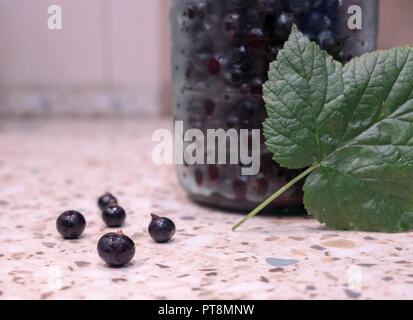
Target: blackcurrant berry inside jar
x: 221, y: 51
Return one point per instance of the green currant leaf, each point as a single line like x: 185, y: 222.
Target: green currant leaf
x: 353, y: 124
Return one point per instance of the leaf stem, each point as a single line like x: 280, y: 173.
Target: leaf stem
x: 277, y: 194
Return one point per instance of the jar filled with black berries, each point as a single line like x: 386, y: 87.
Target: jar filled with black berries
x: 221, y: 50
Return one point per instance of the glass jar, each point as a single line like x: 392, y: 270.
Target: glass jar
x: 221, y: 52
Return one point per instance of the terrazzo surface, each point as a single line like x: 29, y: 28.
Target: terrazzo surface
x: 47, y: 167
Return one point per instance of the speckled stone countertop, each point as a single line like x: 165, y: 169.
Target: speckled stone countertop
x: 47, y: 167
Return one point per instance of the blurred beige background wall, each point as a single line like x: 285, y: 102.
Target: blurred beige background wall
x: 111, y: 55
x: 396, y: 23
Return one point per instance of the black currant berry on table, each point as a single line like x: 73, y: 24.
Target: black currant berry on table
x: 106, y: 200
x: 213, y: 66
x: 71, y: 224
x: 161, y: 229
x: 116, y: 249
x: 114, y: 216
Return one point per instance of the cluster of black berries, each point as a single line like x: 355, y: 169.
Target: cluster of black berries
x: 116, y: 249
x: 237, y: 39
